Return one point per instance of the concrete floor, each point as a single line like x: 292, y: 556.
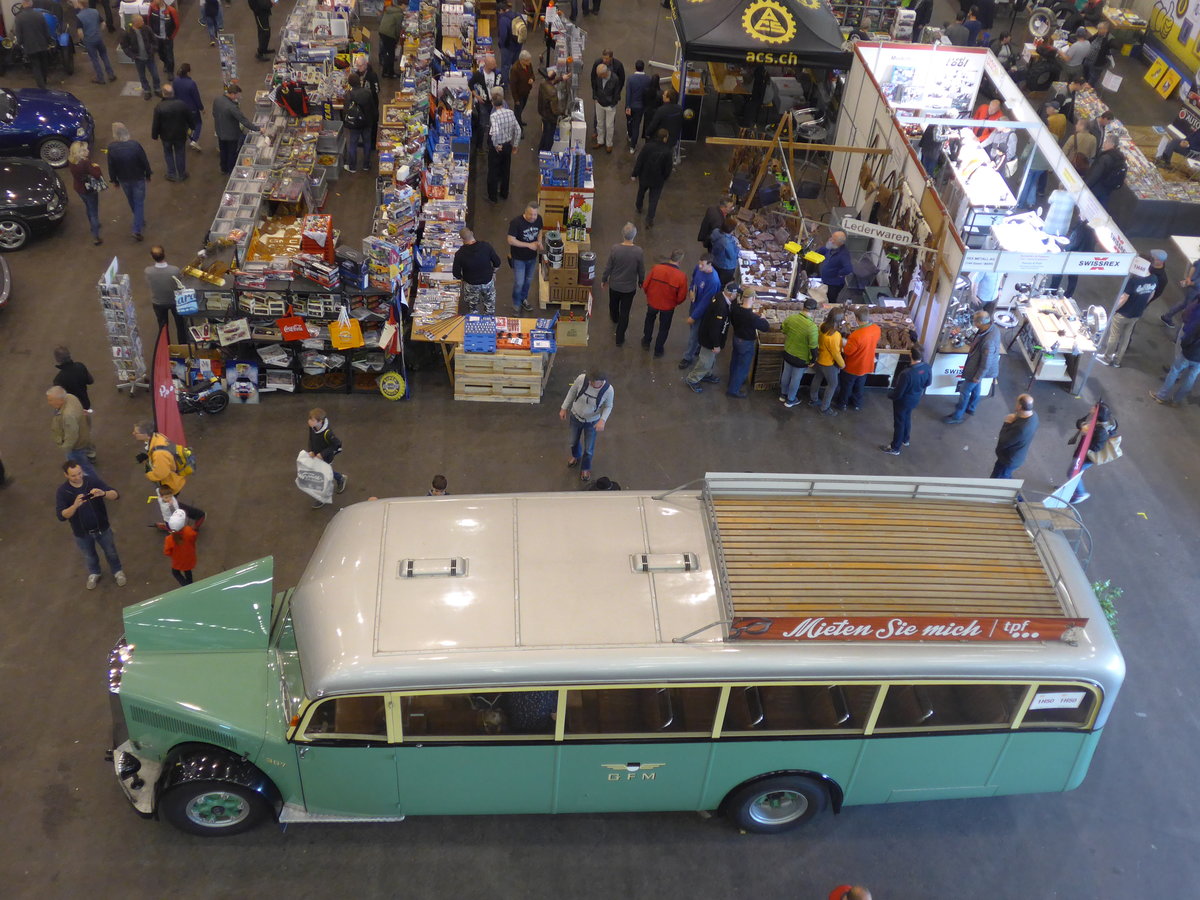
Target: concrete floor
x: 1128, y: 831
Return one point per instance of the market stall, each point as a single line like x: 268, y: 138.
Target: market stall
x: 925, y: 104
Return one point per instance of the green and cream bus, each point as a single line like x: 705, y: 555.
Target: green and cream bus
x: 763, y: 646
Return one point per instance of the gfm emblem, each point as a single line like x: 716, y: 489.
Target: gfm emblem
x: 769, y: 21
x: 632, y: 771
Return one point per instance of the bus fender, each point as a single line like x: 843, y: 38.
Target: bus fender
x: 204, y: 762
x: 836, y: 794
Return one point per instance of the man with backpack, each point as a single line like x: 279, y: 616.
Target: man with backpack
x: 714, y: 329
x: 1107, y: 172
x: 159, y: 457
x: 513, y: 30
x: 588, y: 403
x: 358, y: 110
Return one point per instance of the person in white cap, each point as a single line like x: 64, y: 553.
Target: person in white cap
x: 180, y: 546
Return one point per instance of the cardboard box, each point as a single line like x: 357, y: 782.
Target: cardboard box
x: 578, y: 294
x: 572, y: 333
x: 564, y: 277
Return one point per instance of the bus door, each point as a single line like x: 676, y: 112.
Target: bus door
x: 476, y: 753
x: 635, y: 749
x: 936, y: 741
x: 346, y: 764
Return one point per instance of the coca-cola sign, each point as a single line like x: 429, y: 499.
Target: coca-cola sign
x: 870, y: 629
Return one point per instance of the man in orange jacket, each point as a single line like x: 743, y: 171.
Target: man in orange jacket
x: 666, y: 287
x: 859, y: 354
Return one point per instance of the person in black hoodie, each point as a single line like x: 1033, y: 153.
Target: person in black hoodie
x: 906, y: 392
x: 714, y: 329
x: 651, y: 171
x: 172, y: 124
x: 73, y: 377
x: 324, y: 443
x: 668, y: 116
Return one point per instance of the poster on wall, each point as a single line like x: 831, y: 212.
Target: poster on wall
x: 1175, y: 24
x: 934, y: 82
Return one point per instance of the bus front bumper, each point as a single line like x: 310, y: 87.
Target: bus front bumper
x: 137, y: 777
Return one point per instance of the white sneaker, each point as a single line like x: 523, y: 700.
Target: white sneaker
x: 92, y: 581
x: 342, y: 484
x: 120, y: 579
x: 195, y: 145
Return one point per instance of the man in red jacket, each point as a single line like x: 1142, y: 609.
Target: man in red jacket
x: 666, y: 288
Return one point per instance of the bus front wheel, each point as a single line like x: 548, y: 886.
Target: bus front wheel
x: 776, y: 804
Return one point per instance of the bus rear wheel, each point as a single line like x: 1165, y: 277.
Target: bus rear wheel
x: 776, y: 804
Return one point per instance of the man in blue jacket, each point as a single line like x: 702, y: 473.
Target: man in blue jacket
x: 705, y: 285
x: 906, y: 392
x: 129, y: 168
x: 639, y: 83
x: 836, y: 266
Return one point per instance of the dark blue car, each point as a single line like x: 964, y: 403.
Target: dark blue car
x: 42, y: 123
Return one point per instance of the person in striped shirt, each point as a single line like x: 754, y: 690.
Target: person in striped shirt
x: 503, y: 134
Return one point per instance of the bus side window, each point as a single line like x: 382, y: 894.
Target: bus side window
x: 348, y: 717
x: 905, y: 706
x: 633, y: 711
x: 447, y: 716
x: 783, y: 707
x: 1064, y: 705
x: 949, y: 705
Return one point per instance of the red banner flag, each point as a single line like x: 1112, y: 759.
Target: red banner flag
x: 167, y: 419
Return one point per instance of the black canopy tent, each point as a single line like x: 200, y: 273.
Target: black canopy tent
x: 774, y: 32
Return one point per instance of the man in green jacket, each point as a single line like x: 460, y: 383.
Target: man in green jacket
x: 799, y: 344
x: 391, y: 24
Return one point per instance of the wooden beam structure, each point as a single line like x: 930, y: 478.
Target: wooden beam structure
x: 796, y: 145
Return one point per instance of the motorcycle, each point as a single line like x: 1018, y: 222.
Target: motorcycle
x: 208, y: 398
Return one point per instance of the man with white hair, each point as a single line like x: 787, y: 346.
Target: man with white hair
x: 606, y: 91
x: 129, y: 168
x: 138, y: 44
x: 481, y: 82
x: 71, y: 428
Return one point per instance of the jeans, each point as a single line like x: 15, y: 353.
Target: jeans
x: 91, y: 202
x: 1032, y: 188
x: 387, y: 55
x: 583, y: 442
x: 498, y: 168
x: 519, y: 111
x: 606, y: 124
x: 87, y: 546
x: 166, y: 52
x: 213, y: 25
x: 968, y: 398
x: 105, y: 5
x: 655, y: 192
x: 183, y: 577
x: 901, y: 424
x: 194, y: 137
x: 98, y: 54
x: 355, y: 137
x: 693, y: 346
x: 175, y: 155
x: 523, y: 270
x: 619, y: 304
x: 144, y: 66
x: 789, y: 384
x: 633, y: 125
x: 228, y: 151
x: 135, y: 193
x: 701, y: 370
x: 547, y: 141
x: 828, y: 377
x: 1182, y: 368
x: 1080, y: 490
x: 664, y: 317
x: 1120, y: 332
x: 739, y: 365
x: 850, y: 390
x: 1006, y: 470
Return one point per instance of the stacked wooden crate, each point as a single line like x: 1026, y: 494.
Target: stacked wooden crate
x: 559, y: 289
x: 506, y: 376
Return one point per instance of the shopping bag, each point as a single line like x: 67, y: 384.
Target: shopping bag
x: 345, y: 333
x: 387, y: 335
x: 186, y: 303
x: 1106, y: 454
x: 232, y: 332
x: 314, y: 476
x: 292, y: 327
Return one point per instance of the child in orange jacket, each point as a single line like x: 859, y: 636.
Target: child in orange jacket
x: 180, y: 545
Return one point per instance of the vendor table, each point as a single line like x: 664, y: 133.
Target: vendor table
x: 1052, y: 339
x: 506, y: 375
x: 974, y: 183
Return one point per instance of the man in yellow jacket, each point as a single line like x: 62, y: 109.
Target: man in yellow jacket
x: 158, y: 457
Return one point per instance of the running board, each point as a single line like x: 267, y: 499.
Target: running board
x: 294, y: 814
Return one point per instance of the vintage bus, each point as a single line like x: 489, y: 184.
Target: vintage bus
x: 763, y: 646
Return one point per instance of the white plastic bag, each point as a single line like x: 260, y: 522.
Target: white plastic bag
x: 314, y: 476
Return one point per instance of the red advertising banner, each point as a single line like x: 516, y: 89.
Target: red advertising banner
x: 884, y: 629
x: 1085, y: 442
x: 167, y: 419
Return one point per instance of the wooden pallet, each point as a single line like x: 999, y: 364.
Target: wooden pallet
x: 799, y: 556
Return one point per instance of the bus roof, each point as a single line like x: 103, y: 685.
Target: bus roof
x: 613, y: 586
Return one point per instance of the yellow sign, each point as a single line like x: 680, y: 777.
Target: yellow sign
x: 769, y: 21
x: 1155, y: 73
x: 1167, y: 86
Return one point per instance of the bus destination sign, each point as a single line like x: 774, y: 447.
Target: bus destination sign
x: 898, y: 628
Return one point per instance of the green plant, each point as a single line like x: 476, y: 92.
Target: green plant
x: 1108, y: 594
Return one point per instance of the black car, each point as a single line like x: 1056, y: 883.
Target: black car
x: 33, y: 199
